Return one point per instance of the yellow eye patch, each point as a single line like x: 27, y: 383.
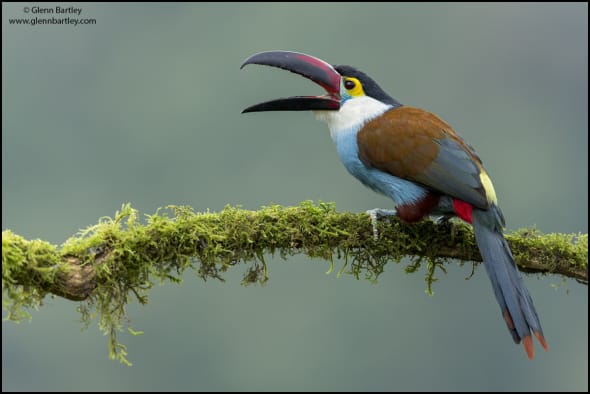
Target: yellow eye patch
x: 353, y: 87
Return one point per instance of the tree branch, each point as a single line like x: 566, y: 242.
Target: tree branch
x: 107, y: 262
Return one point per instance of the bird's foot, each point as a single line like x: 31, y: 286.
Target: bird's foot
x: 374, y: 214
x: 449, y: 222
x: 442, y: 220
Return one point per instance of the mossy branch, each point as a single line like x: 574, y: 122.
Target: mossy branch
x: 106, y: 263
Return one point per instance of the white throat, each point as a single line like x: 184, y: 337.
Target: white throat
x: 352, y: 115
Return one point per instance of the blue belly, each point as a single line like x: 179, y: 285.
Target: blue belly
x: 399, y: 190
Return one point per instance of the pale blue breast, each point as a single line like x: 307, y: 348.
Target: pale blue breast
x: 399, y: 190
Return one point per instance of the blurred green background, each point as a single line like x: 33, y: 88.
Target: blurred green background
x: 144, y: 107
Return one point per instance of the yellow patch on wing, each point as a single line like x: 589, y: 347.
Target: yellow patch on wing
x: 488, y: 187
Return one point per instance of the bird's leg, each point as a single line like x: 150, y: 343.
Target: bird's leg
x: 447, y: 221
x: 444, y: 215
x: 442, y: 220
x: 374, y: 214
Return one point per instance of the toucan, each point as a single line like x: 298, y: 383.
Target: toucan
x: 415, y: 158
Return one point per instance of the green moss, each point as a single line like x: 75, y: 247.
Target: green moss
x: 120, y: 259
x: 27, y: 267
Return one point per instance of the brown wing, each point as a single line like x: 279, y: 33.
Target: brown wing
x: 414, y: 144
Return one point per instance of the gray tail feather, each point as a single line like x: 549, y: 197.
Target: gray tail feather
x: 509, y: 287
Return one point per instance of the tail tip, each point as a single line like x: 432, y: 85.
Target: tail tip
x: 529, y: 348
x: 541, y: 340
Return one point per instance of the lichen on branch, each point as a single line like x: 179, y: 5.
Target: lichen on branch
x: 105, y: 264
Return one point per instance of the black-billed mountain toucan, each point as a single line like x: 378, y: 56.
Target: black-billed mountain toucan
x: 416, y: 159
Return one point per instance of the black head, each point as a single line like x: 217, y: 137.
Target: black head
x: 369, y: 85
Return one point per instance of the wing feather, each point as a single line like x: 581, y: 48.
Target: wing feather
x: 416, y: 145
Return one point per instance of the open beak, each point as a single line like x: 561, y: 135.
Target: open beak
x: 311, y: 68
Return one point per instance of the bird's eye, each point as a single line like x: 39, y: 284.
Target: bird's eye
x: 348, y: 84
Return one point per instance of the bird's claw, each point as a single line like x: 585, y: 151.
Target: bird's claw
x: 374, y: 214
x: 447, y: 221
x: 443, y: 220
